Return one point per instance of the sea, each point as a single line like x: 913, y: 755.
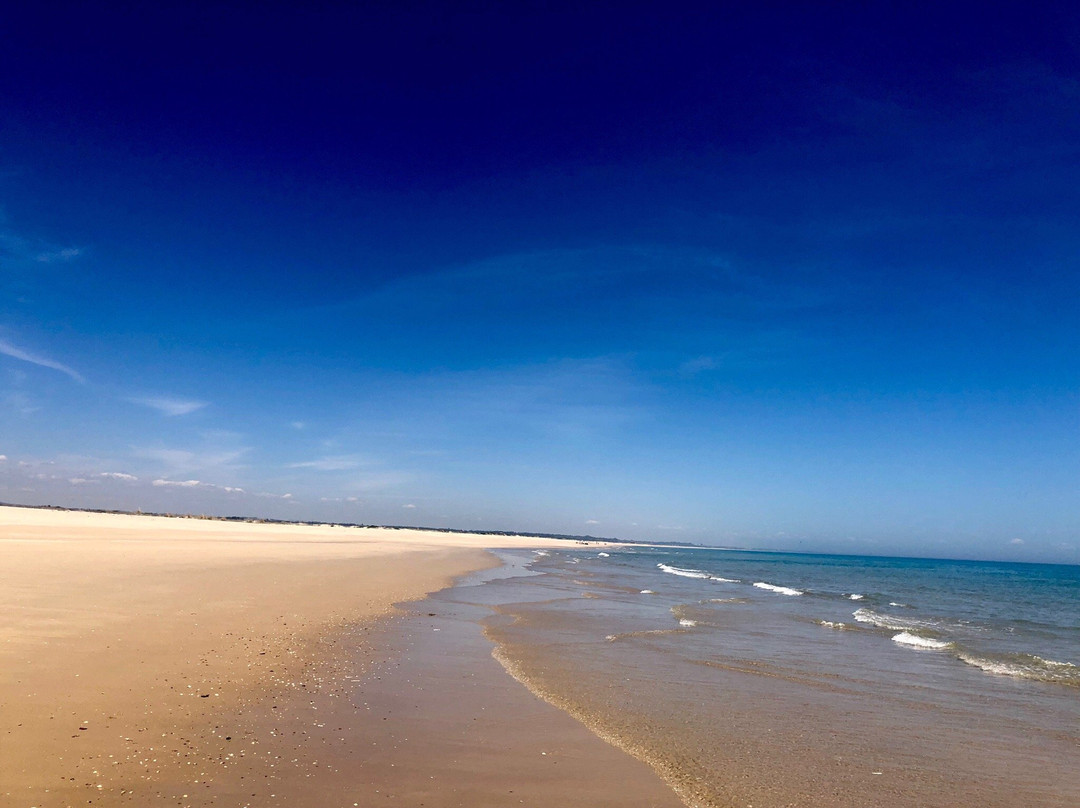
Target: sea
x: 777, y: 679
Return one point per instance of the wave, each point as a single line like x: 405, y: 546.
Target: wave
x: 684, y: 573
x: 884, y: 620
x: 690, y: 573
x: 856, y: 597
x: 780, y: 590
x: 603, y: 555
x: 646, y: 592
x: 1026, y: 666
x: 915, y: 641
x: 654, y: 632
x: 687, y: 623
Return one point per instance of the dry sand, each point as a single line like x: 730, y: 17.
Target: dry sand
x: 153, y: 661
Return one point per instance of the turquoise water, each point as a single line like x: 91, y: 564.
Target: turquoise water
x: 876, y: 681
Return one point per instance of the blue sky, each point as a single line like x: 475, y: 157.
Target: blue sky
x: 792, y: 276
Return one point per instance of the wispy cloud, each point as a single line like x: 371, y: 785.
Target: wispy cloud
x: 229, y: 489
x: 53, y: 256
x: 332, y: 463
x: 185, y: 462
x: 15, y: 352
x: 118, y: 475
x: 33, y: 250
x: 169, y: 406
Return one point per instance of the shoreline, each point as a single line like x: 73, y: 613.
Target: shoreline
x: 147, y: 660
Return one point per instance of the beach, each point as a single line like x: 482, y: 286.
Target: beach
x: 194, y: 662
x: 167, y: 661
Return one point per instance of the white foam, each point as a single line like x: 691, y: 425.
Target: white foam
x: 684, y: 573
x: 831, y: 624
x: 780, y: 590
x: 856, y: 597
x: 603, y: 555
x: 687, y: 623
x: 915, y: 641
x: 725, y: 580
x: 883, y: 620
x: 1053, y: 663
x: 647, y: 592
x: 541, y: 552
x: 1026, y: 667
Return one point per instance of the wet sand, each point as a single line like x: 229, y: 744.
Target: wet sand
x: 153, y: 661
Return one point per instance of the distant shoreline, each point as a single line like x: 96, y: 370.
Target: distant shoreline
x: 259, y: 520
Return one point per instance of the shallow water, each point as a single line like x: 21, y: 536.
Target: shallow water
x: 778, y: 679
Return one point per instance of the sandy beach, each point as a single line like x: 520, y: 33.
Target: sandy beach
x: 152, y: 661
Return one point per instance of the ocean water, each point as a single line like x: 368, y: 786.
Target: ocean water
x: 771, y: 679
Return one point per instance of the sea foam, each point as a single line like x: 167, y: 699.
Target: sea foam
x: 1026, y: 666
x: 883, y: 620
x: 684, y: 573
x: 780, y: 590
x: 915, y: 641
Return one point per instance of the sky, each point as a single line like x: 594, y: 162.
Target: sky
x: 767, y: 275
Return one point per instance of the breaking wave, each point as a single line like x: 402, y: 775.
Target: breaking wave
x: 780, y: 590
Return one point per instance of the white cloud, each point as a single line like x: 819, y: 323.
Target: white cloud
x: 298, y: 425
x: 1017, y: 541
x: 409, y: 505
x: 169, y: 406
x: 52, y: 256
x: 591, y: 522
x: 286, y: 496
x: 3, y: 458
x: 335, y: 463
x: 233, y: 489
x: 15, y: 352
x: 118, y: 475
x: 79, y: 481
x: 178, y: 483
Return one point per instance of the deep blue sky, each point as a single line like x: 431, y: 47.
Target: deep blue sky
x: 768, y: 275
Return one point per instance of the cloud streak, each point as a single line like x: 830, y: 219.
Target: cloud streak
x: 15, y: 352
x: 169, y: 406
x: 333, y: 463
